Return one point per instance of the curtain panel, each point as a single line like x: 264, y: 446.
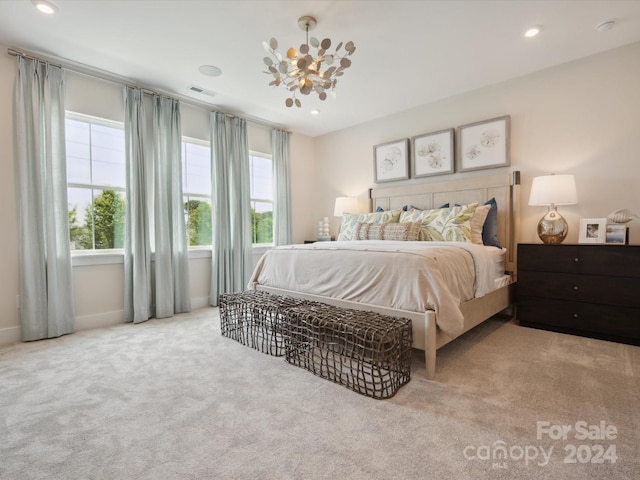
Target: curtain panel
x: 282, y: 233
x: 46, y: 296
x: 156, y: 249
x: 231, y: 260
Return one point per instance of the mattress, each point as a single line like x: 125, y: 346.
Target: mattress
x: 413, y: 276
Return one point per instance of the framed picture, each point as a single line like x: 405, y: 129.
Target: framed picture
x: 484, y: 144
x: 616, y: 233
x: 592, y: 230
x: 432, y: 154
x: 391, y: 161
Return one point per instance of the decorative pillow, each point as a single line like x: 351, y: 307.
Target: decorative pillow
x: 490, y: 228
x: 388, y: 231
x: 477, y: 222
x: 348, y: 228
x: 443, y: 224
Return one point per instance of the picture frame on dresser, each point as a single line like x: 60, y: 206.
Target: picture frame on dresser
x: 617, y: 234
x: 391, y: 161
x: 432, y: 154
x: 592, y: 230
x: 485, y: 144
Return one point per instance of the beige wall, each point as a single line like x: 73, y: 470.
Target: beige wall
x: 99, y: 288
x: 581, y: 118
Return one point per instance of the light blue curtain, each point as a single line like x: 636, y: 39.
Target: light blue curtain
x: 156, y: 250
x: 231, y: 214
x: 171, y: 249
x: 282, y: 210
x: 46, y: 296
x: 138, y: 294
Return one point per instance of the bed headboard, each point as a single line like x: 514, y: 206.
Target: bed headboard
x: 502, y: 187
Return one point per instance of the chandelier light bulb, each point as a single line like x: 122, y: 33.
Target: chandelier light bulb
x: 303, y: 72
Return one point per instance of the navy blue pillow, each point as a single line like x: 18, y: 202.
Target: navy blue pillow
x: 490, y: 228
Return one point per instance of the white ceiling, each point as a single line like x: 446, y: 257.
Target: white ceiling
x: 408, y: 53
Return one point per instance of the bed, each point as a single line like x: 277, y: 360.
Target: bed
x: 446, y: 288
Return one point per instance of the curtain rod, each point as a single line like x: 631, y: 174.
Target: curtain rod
x: 99, y: 74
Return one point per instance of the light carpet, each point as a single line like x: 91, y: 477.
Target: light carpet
x: 173, y: 399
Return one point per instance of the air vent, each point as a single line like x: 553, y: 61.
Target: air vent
x: 195, y: 89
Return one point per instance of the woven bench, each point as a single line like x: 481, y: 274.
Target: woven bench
x: 254, y: 318
x: 367, y: 352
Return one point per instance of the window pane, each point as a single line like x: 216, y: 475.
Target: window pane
x: 78, y: 141
x: 196, y: 169
x: 198, y: 221
x: 108, y: 218
x: 80, y: 234
x: 107, y: 156
x: 262, y: 222
x: 261, y: 178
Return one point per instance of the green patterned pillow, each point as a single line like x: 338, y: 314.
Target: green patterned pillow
x: 443, y: 224
x: 349, y: 226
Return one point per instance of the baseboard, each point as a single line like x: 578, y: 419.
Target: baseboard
x: 99, y: 320
x: 9, y: 336
x: 199, y: 302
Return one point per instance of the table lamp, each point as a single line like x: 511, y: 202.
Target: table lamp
x: 549, y: 191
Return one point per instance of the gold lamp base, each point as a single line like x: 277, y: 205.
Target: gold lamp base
x: 552, y: 228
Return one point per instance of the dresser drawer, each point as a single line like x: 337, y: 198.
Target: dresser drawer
x: 607, y: 290
x: 619, y: 260
x: 609, y: 323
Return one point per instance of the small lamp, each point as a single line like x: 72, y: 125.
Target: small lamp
x: 345, y: 205
x: 552, y: 190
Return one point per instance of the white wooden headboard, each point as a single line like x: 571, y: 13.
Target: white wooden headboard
x: 502, y: 187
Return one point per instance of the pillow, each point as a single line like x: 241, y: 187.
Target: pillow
x: 490, y: 228
x: 388, y: 231
x: 443, y: 224
x: 348, y: 228
x: 477, y: 223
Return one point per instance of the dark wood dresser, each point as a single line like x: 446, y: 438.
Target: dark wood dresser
x: 588, y: 290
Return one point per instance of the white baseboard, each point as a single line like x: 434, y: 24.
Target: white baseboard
x: 9, y: 336
x: 99, y: 320
x: 199, y: 302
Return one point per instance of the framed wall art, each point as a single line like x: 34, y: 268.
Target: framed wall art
x: 391, y: 161
x: 484, y: 144
x: 432, y: 154
x: 592, y: 230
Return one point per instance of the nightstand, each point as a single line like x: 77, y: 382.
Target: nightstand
x: 588, y: 290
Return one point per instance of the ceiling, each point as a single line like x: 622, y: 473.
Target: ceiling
x: 408, y: 53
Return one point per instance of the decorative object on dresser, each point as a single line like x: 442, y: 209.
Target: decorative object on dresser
x: 484, y: 144
x: 390, y: 161
x: 550, y: 191
x: 587, y: 290
x: 432, y: 154
x: 592, y: 230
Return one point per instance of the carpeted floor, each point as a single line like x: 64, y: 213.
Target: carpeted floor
x: 173, y: 399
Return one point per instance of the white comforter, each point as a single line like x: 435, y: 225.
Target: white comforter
x: 414, y: 276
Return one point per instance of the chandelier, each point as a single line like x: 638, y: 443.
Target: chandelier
x: 303, y: 72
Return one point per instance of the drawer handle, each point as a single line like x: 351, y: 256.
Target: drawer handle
x: 575, y: 315
x: 575, y: 287
x: 576, y: 259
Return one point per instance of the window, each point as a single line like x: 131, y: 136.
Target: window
x: 261, y: 174
x: 96, y: 181
x: 196, y: 189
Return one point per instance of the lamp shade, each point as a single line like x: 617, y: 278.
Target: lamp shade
x: 345, y: 205
x: 553, y: 190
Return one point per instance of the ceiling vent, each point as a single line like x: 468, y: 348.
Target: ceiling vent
x: 201, y: 90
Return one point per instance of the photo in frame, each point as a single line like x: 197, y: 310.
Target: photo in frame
x: 617, y: 233
x: 432, y: 153
x: 484, y: 144
x: 391, y: 161
x: 592, y: 230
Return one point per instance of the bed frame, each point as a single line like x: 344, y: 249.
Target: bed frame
x: 426, y: 335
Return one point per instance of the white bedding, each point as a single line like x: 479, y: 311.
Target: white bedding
x: 414, y: 276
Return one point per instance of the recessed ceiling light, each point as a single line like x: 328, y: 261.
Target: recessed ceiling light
x: 45, y: 6
x: 315, y: 112
x: 533, y: 31
x: 210, y: 70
